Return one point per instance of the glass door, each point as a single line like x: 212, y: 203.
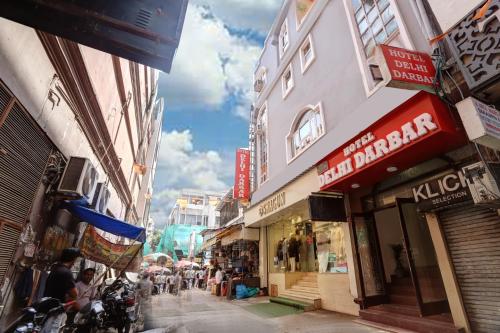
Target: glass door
x: 373, y: 286
x: 424, y: 269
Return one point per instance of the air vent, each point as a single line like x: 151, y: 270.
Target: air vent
x: 143, y: 18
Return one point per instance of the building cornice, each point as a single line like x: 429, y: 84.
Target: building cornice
x: 69, y: 64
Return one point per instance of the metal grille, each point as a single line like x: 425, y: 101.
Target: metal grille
x: 143, y: 18
x: 9, y: 236
x: 473, y: 237
x: 24, y: 150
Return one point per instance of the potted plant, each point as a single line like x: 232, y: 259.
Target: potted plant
x: 397, y: 249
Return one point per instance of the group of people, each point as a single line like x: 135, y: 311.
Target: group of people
x: 174, y: 283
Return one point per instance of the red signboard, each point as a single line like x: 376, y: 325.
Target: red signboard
x: 242, y: 175
x: 407, y: 69
x: 417, y: 130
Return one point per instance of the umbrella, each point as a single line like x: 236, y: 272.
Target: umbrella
x: 185, y: 263
x: 154, y: 269
x: 154, y: 257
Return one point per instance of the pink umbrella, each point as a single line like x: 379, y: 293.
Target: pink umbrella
x: 185, y: 263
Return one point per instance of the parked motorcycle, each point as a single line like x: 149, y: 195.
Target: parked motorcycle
x: 46, y: 316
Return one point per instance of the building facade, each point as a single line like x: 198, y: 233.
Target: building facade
x: 360, y: 168
x: 196, y: 207
x: 68, y: 101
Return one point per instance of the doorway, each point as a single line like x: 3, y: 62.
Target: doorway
x: 397, y: 259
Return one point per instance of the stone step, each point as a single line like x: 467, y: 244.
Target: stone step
x: 409, y: 310
x: 309, y: 278
x: 305, y: 289
x: 305, y: 306
x: 304, y: 295
x: 307, y: 284
x: 314, y: 300
x: 414, y: 323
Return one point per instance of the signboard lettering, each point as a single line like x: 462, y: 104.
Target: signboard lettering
x: 407, y: 69
x: 275, y: 203
x: 443, y: 191
x: 375, y: 147
x: 242, y: 175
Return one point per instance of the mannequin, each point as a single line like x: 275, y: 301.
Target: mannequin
x: 293, y: 251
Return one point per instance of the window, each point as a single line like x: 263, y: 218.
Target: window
x: 306, y: 130
x: 287, y: 81
x: 283, y: 38
x: 262, y: 151
x: 260, y: 80
x: 306, y: 54
x: 375, y: 21
x: 302, y: 8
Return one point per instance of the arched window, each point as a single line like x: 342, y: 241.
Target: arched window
x: 307, y: 129
x: 262, y: 146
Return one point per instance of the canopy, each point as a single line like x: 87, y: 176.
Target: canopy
x: 185, y: 263
x: 155, y: 257
x: 107, y: 223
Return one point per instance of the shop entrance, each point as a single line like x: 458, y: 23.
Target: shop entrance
x: 397, y: 260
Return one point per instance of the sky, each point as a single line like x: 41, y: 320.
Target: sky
x: 207, y: 95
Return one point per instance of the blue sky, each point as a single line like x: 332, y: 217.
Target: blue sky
x: 208, y: 96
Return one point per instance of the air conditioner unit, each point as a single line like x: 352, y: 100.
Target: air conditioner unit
x: 482, y: 184
x: 101, y: 198
x: 79, y: 179
x: 258, y: 85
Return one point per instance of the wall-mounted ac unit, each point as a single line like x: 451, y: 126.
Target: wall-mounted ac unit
x: 79, y: 179
x: 258, y: 85
x: 482, y: 184
x: 101, y: 198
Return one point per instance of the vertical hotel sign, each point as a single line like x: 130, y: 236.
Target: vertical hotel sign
x: 242, y: 175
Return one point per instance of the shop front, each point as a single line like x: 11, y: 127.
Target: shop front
x: 404, y: 165
x: 306, y: 245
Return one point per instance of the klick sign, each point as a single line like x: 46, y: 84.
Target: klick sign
x: 242, y: 175
x: 406, y: 69
x: 441, y: 192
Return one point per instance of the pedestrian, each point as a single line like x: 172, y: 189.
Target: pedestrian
x: 163, y: 282
x: 178, y: 282
x: 218, y: 280
x: 86, y: 291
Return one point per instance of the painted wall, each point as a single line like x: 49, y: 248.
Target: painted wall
x: 450, y: 12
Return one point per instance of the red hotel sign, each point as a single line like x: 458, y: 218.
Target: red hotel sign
x: 407, y: 69
x: 419, y: 129
x: 242, y: 175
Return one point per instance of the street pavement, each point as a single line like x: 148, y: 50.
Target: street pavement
x: 197, y: 311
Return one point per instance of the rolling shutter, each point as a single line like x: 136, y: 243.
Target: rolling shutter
x: 24, y: 151
x: 473, y: 236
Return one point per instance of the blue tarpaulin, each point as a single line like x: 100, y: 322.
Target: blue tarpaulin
x: 107, y: 223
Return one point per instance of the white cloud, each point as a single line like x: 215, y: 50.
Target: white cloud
x: 211, y: 64
x: 181, y: 166
x: 254, y: 15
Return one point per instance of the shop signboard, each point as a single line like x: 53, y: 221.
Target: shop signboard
x: 242, y: 175
x: 405, y: 68
x: 417, y: 130
x: 481, y: 122
x: 446, y: 190
x: 273, y: 204
x: 97, y: 248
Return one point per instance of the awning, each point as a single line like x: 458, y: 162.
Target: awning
x: 241, y: 233
x: 107, y: 223
x: 208, y: 243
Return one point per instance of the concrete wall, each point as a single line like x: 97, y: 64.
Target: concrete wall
x: 450, y: 12
x: 33, y: 78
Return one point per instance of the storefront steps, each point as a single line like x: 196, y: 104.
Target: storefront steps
x: 305, y: 290
x: 407, y: 317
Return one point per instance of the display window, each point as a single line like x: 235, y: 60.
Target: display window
x: 307, y: 247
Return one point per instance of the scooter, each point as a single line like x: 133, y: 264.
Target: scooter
x: 46, y: 316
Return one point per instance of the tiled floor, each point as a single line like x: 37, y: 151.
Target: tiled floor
x: 197, y: 311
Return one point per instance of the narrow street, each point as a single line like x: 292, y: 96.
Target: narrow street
x: 198, y: 311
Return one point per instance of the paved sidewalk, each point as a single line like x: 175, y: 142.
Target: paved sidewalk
x: 197, y: 311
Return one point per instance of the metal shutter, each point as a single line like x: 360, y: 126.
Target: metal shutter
x: 24, y: 151
x: 9, y: 236
x: 473, y: 236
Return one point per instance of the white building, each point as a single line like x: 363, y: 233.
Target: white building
x: 196, y: 207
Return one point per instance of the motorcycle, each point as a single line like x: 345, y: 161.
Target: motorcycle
x: 46, y: 316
